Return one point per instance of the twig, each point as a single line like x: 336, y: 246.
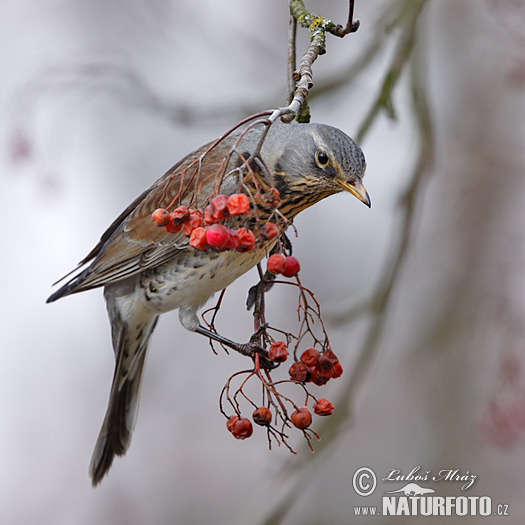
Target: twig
x: 318, y: 26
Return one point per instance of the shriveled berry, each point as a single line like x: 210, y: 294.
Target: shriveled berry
x: 208, y: 216
x: 323, y: 407
x: 240, y: 427
x: 310, y: 357
x: 198, y: 239
x: 319, y: 377
x: 301, y: 418
x: 161, y: 217
x: 246, y: 240
x: 219, y: 207
x: 194, y: 221
x: 217, y: 235
x: 276, y: 263
x: 268, y: 231
x: 337, y: 371
x: 173, y: 228
x: 292, y: 267
x: 298, y: 372
x: 230, y: 424
x: 262, y: 416
x: 273, y: 198
x: 238, y: 204
x: 180, y: 215
x: 233, y: 240
x: 277, y: 352
x: 328, y: 360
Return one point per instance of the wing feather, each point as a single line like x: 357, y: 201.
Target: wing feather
x: 133, y: 243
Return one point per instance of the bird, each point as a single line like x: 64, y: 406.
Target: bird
x: 146, y: 271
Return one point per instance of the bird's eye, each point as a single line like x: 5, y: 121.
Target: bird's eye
x: 321, y: 158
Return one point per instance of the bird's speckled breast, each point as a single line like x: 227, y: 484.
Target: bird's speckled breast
x: 194, y: 276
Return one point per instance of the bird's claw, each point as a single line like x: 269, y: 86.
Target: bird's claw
x: 254, y: 350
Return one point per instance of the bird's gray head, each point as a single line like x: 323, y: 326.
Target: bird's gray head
x: 315, y: 161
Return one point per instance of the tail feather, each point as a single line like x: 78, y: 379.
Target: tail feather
x: 115, y: 435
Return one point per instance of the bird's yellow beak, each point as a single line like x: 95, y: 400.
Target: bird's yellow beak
x: 357, y: 190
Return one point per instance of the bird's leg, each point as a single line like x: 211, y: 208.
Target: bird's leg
x: 248, y: 349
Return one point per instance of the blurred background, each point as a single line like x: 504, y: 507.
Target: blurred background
x: 423, y: 296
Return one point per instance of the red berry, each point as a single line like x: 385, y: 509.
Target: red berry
x: 269, y: 231
x: 238, y: 204
x: 337, y: 371
x: 208, y: 216
x: 310, y: 357
x: 217, y: 235
x: 272, y: 198
x: 240, y: 427
x: 219, y: 207
x: 173, y: 228
x: 262, y: 416
x: 278, y: 352
x: 276, y: 263
x: 328, y: 360
x: 301, y: 418
x: 298, y: 372
x: 230, y: 424
x: 160, y: 217
x: 323, y: 407
x: 233, y: 240
x: 319, y: 377
x: 246, y: 240
x: 180, y: 215
x: 292, y: 267
x: 198, y: 238
x: 194, y: 221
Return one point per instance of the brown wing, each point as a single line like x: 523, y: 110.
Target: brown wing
x: 133, y: 242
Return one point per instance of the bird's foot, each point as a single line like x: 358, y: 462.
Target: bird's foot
x: 249, y: 349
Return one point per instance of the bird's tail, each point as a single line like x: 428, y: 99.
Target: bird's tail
x: 130, y: 341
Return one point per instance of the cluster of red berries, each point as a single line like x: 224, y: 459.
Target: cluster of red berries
x: 315, y: 367
x: 204, y: 228
x: 301, y: 418
x: 280, y: 264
